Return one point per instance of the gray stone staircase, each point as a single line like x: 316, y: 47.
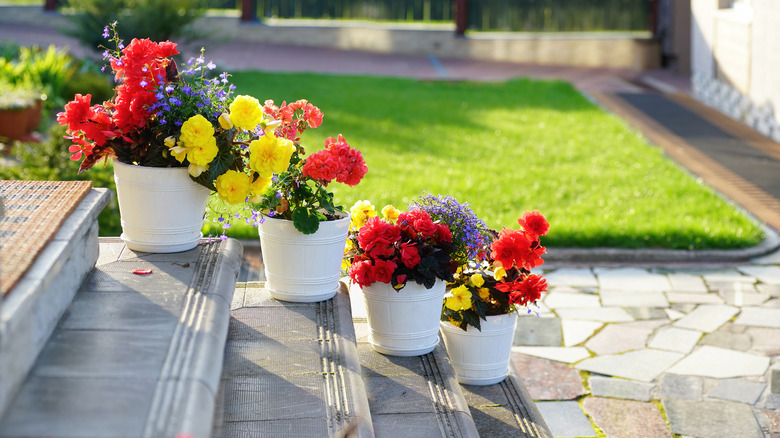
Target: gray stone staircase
x: 300, y: 369
x: 188, y: 351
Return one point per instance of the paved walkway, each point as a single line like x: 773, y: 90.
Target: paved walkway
x: 636, y: 352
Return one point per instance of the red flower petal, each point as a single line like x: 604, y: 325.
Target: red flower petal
x: 142, y: 271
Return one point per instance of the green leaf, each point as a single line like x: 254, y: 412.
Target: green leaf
x: 305, y: 221
x: 221, y: 163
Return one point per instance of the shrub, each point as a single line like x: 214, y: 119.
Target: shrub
x: 47, y: 70
x: 158, y: 20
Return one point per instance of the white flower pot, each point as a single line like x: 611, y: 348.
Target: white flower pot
x: 161, y: 208
x: 481, y: 357
x: 405, y: 322
x: 303, y: 268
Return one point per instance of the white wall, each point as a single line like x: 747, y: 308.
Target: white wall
x: 735, y: 59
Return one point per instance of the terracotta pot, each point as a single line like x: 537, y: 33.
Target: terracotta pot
x: 13, y: 123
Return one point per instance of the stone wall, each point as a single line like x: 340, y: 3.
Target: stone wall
x: 735, y: 59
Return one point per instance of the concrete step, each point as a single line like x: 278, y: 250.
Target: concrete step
x: 133, y: 355
x: 291, y: 369
x: 416, y: 396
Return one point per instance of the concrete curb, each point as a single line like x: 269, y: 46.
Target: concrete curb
x: 770, y: 244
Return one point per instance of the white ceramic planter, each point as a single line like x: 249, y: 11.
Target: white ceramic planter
x: 405, y: 322
x: 303, y: 268
x: 161, y: 208
x: 481, y: 357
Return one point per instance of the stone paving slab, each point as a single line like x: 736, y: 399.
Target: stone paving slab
x: 694, y: 298
x: 707, y: 318
x: 759, y: 317
x: 566, y: 419
x: 620, y: 388
x: 559, y: 354
x: 764, y: 274
x: 604, y: 314
x: 631, y: 279
x: 614, y: 298
x: 626, y: 419
x: 765, y: 341
x: 642, y: 365
x: 564, y: 300
x: 680, y: 387
x: 740, y: 298
x: 674, y: 339
x: 532, y: 330
x: 576, y: 332
x: 572, y: 277
x: 721, y: 363
x: 617, y: 338
x: 730, y: 275
x: 547, y: 379
x: 682, y: 282
x: 712, y: 419
x: 738, y: 390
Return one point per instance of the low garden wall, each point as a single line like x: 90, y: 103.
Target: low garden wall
x: 634, y: 50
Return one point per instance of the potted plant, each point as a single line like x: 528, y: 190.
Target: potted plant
x: 479, y: 313
x: 302, y: 231
x: 401, y: 262
x: 19, y: 110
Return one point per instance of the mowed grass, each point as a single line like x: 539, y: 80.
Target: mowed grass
x: 506, y: 148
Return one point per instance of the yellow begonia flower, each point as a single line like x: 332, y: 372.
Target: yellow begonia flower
x: 178, y: 150
x: 224, y: 121
x: 234, y: 186
x: 269, y: 155
x: 203, y: 153
x: 477, y: 280
x: 246, y: 112
x: 197, y: 131
x: 460, y: 299
x: 196, y: 170
x: 259, y: 186
x: 483, y: 293
x: 360, y: 213
x: 499, y: 273
x: 345, y: 262
x: 390, y: 213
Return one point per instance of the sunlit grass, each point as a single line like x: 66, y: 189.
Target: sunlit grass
x: 506, y: 148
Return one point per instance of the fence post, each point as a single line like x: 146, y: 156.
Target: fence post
x: 50, y: 5
x: 461, y: 17
x: 248, y: 10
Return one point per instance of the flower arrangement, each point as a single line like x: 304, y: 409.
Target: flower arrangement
x: 499, y: 278
x: 398, y: 247
x: 247, y: 152
x: 469, y: 233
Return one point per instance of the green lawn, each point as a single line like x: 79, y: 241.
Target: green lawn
x: 510, y: 147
